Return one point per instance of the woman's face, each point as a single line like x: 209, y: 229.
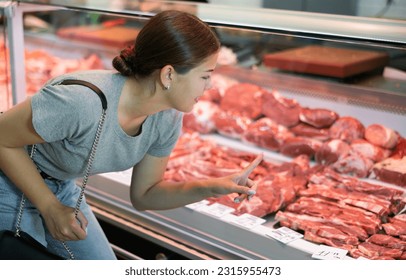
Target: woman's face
x: 189, y: 87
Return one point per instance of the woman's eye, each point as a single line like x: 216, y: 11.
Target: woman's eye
x: 206, y: 77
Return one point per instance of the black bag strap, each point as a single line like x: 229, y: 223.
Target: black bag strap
x: 89, y: 85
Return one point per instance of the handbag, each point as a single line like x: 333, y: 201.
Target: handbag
x: 19, y: 245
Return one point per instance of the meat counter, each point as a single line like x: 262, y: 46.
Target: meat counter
x: 256, y: 38
x: 214, y: 231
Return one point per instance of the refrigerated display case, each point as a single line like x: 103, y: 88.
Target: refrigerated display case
x: 80, y: 32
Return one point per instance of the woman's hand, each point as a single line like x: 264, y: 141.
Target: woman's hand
x: 237, y: 183
x: 62, y: 223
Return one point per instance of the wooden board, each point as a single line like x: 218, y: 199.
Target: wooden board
x: 119, y: 36
x: 326, y: 61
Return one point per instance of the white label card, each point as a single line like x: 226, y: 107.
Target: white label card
x: 248, y: 221
x: 329, y: 253
x: 216, y: 209
x: 198, y: 204
x: 284, y: 235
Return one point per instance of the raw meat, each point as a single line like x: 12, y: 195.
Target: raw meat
x: 353, y: 164
x: 400, y: 149
x: 200, y: 119
x: 318, y: 118
x: 391, y: 170
x: 381, y: 136
x: 387, y: 241
x: 283, y: 110
x: 336, y: 211
x: 373, y: 250
x: 244, y: 99
x: 266, y: 133
x: 212, y: 95
x: 296, y: 146
x: 306, y: 130
x: 231, y: 124
x: 347, y: 129
x: 396, y: 225
x: 331, y: 151
x: 369, y: 150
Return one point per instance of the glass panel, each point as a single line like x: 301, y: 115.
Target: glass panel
x: 58, y: 41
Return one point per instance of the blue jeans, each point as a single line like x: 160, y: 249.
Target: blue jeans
x: 94, y: 247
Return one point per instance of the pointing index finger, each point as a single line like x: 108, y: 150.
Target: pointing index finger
x: 247, y: 170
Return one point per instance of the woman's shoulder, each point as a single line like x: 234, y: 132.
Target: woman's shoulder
x: 97, y: 77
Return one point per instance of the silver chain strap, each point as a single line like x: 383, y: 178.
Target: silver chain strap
x: 90, y: 161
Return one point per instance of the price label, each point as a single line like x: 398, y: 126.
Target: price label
x: 217, y: 210
x: 198, y: 204
x: 248, y: 221
x: 329, y: 253
x: 284, y: 235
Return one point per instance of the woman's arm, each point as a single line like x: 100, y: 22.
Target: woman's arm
x: 17, y: 131
x: 150, y: 192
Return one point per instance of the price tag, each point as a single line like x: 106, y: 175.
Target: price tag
x: 197, y: 205
x: 217, y: 210
x: 284, y: 235
x: 248, y: 221
x: 329, y: 253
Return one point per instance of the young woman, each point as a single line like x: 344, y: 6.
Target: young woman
x: 163, y: 75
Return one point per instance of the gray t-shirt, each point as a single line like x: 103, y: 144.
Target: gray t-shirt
x: 67, y: 116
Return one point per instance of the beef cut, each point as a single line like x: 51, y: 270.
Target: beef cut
x: 387, y: 241
x: 244, y: 99
x: 201, y: 118
x: 396, y: 225
x: 353, y: 164
x: 296, y: 146
x: 306, y: 130
x: 318, y: 118
x: 369, y: 150
x: 391, y: 170
x: 381, y: 136
x: 266, y: 133
x: 283, y: 110
x: 331, y: 151
x: 400, y: 149
x: 347, y: 129
x: 231, y: 124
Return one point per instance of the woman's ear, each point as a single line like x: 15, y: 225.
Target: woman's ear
x: 166, y: 76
